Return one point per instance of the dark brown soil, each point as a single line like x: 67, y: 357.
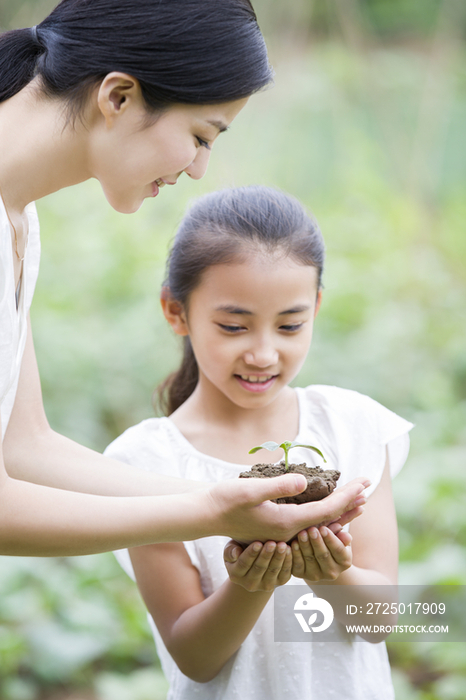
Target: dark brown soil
x: 320, y: 482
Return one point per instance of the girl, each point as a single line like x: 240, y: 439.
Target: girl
x: 243, y: 288
x: 133, y: 93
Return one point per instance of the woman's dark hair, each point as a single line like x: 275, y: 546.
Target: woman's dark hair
x: 223, y: 228
x: 180, y: 51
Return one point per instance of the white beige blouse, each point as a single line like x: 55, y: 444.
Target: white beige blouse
x: 13, y: 322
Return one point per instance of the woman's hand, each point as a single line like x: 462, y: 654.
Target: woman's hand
x: 241, y: 509
x: 259, y: 567
x: 320, y: 555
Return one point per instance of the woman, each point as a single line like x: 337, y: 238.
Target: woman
x: 133, y: 93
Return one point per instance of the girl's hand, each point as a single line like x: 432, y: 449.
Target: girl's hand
x: 320, y: 555
x: 259, y: 567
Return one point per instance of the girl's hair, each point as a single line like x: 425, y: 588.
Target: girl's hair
x: 180, y: 51
x: 223, y: 228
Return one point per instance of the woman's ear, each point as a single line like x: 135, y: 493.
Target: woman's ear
x: 318, y: 302
x: 173, y: 312
x: 116, y: 93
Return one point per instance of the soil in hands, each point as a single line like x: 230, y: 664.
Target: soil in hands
x: 320, y: 482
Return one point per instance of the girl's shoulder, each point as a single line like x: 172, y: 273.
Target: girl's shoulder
x: 355, y: 432
x: 150, y: 445
x: 352, y: 409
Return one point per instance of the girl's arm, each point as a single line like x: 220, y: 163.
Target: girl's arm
x: 202, y: 633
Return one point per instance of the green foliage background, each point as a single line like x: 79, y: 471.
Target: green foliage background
x: 365, y: 125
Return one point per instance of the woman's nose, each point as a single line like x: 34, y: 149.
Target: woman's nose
x: 198, y: 167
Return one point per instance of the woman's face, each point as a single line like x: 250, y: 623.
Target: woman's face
x: 134, y: 155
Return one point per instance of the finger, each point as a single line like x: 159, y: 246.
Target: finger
x: 337, y: 550
x: 285, y: 573
x: 359, y: 497
x: 351, y: 515
x: 245, y: 561
x: 358, y: 480
x: 260, y: 566
x: 332, y: 555
x: 232, y: 551
x: 298, y: 567
x: 259, y: 490
x: 272, y: 572
x: 333, y: 506
x: 345, y: 537
x: 335, y: 527
x: 322, y: 554
x: 312, y: 569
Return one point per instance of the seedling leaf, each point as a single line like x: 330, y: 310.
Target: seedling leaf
x: 309, y: 447
x: 286, y: 447
x: 271, y: 446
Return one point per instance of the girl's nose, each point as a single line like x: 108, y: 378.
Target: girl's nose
x: 198, y: 167
x: 261, y: 357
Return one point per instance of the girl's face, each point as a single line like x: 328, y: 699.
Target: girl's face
x: 250, y: 326
x: 133, y: 156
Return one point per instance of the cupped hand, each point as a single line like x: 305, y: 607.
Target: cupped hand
x: 259, y: 567
x: 241, y: 508
x: 320, y: 555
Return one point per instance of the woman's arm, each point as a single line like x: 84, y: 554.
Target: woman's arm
x: 202, y: 633
x: 34, y: 452
x: 55, y: 497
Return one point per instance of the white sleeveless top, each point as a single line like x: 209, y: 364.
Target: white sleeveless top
x: 13, y: 323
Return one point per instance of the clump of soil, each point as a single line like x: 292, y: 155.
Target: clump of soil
x: 320, y: 482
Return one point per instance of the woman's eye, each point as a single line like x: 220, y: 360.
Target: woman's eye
x: 291, y: 327
x: 204, y: 144
x: 230, y: 329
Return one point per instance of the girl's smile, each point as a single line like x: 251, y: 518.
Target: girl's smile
x: 256, y: 383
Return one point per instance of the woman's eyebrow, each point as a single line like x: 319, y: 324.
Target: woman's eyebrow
x: 218, y: 125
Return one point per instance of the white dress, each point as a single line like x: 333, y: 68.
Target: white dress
x: 13, y: 323
x: 353, y: 431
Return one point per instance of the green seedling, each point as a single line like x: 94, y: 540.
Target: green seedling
x: 286, y: 447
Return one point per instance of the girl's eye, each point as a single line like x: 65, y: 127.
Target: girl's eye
x: 230, y: 329
x: 291, y: 327
x: 204, y: 144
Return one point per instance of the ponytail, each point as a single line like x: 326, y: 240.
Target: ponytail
x: 180, y: 51
x: 179, y: 385
x: 19, y: 51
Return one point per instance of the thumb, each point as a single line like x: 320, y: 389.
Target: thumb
x: 278, y: 487
x: 232, y: 551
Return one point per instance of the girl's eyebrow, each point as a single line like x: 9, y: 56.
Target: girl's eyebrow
x: 295, y: 310
x: 231, y: 309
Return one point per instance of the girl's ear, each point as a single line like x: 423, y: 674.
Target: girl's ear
x: 173, y: 312
x: 318, y: 302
